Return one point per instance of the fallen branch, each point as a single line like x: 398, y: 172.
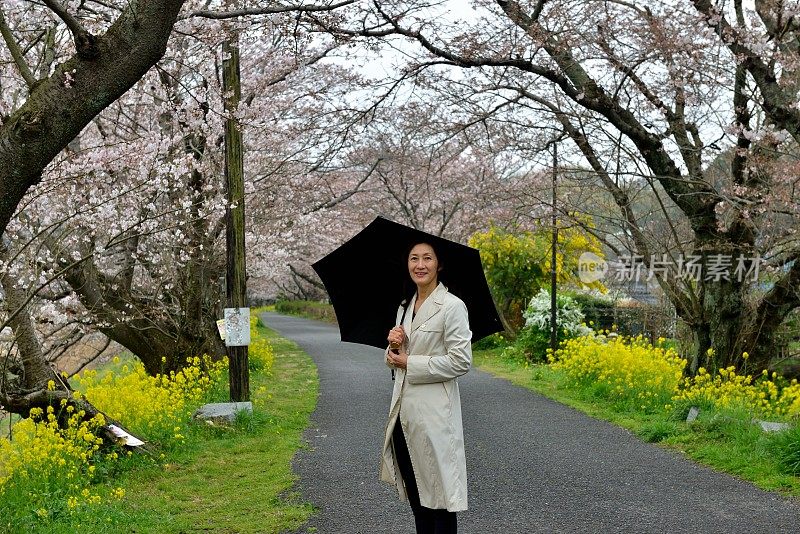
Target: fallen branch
x: 21, y: 402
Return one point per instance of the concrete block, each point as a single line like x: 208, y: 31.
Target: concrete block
x: 222, y: 412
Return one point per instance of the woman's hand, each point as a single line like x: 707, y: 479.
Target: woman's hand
x: 396, y: 355
x: 398, y: 359
x: 396, y: 337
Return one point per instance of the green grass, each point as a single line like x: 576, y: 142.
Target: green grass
x: 728, y: 441
x: 240, y: 480
x: 224, y: 479
x: 308, y: 309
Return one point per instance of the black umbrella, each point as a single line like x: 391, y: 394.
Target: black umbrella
x: 367, y: 278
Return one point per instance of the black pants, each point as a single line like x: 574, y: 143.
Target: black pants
x: 427, y: 520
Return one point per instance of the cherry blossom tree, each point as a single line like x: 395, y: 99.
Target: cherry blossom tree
x: 693, y: 103
x: 121, y: 209
x: 433, y: 177
x: 409, y: 164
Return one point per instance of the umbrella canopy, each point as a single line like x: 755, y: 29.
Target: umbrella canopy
x: 367, y: 278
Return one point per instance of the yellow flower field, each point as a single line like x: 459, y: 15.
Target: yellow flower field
x: 624, y: 369
x: 260, y: 353
x: 650, y: 377
x: 46, y: 467
x: 47, y: 470
x: 763, y: 396
x: 153, y: 407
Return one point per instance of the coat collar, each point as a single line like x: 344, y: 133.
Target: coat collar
x: 429, y: 308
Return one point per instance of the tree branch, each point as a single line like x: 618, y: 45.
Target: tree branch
x: 782, y: 298
x: 692, y: 196
x: 93, y: 358
x: 344, y: 196
x: 621, y: 198
x: 778, y: 103
x: 16, y: 53
x: 305, y: 278
x: 75, y: 93
x: 537, y: 11
x: 676, y: 119
x: 23, y: 402
x: 299, y: 8
x: 85, y: 42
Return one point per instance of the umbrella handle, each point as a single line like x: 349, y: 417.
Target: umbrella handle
x: 394, y: 347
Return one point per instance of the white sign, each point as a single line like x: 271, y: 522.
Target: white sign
x: 237, y: 327
x: 131, y: 441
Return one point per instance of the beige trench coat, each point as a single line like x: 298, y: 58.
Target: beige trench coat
x: 439, y: 350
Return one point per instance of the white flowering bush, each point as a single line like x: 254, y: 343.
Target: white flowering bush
x: 569, y: 316
x: 534, y: 339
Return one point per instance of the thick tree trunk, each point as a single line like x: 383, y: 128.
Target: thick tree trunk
x: 155, y: 333
x: 770, y: 314
x: 509, y: 330
x: 150, y: 346
x: 702, y: 342
x: 726, y: 313
x: 730, y: 326
x: 36, y: 370
x: 60, y: 106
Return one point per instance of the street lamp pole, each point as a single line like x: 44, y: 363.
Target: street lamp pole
x: 553, y: 259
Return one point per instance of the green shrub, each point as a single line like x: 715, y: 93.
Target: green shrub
x: 598, y: 312
x: 309, y: 309
x: 494, y: 341
x: 533, y: 342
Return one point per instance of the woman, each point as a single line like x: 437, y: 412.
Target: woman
x: 423, y: 452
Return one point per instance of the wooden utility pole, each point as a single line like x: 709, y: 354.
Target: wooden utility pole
x: 236, y: 284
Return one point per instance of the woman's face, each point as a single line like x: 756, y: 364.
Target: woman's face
x: 423, y: 265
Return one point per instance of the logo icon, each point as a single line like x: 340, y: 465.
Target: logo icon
x: 591, y: 267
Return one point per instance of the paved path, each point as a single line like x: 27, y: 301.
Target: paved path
x: 533, y: 465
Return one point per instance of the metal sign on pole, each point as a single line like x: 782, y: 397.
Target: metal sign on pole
x: 237, y: 327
